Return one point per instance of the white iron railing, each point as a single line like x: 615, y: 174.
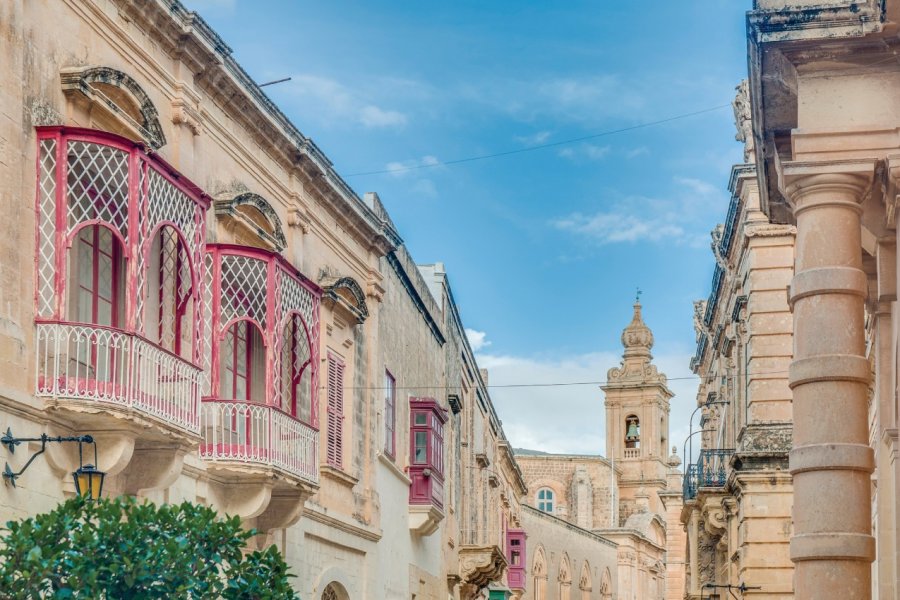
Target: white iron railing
x: 90, y: 362
x: 256, y: 433
x: 164, y: 385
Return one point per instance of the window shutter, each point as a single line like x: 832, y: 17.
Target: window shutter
x: 335, y: 449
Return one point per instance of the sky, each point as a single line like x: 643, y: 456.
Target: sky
x: 545, y: 248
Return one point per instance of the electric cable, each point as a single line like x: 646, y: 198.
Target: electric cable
x: 531, y: 385
x: 539, y: 146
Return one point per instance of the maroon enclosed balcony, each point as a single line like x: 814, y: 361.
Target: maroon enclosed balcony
x: 259, y: 408
x: 515, y: 556
x: 119, y: 247
x: 426, y: 464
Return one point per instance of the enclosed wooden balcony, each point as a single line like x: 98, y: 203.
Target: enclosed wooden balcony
x: 258, y: 416
x: 117, y: 303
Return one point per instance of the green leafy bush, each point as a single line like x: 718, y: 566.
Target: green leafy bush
x: 119, y: 548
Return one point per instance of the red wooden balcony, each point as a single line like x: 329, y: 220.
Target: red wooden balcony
x: 261, y: 375
x: 119, y: 245
x: 515, y: 556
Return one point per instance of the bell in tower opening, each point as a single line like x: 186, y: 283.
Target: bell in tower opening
x: 632, y: 432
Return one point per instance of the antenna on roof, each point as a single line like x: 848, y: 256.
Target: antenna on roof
x: 274, y: 82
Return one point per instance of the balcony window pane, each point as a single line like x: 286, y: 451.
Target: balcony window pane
x: 421, y: 448
x: 421, y: 419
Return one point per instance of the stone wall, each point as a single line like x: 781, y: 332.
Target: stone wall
x: 566, y: 561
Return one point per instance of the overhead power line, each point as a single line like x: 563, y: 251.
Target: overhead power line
x: 585, y: 138
x: 529, y: 385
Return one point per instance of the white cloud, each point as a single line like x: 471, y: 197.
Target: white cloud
x: 613, y: 227
x: 586, y: 100
x: 698, y: 186
x: 683, y: 218
x: 535, y: 139
x: 477, y: 339
x: 406, y: 167
x: 411, y: 171
x: 336, y: 103
x: 425, y: 188
x: 585, y: 151
x: 571, y: 418
x: 635, y: 152
x: 372, y: 116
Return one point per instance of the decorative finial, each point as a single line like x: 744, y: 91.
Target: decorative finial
x: 637, y: 295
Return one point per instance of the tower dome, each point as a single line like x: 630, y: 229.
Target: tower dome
x: 637, y: 337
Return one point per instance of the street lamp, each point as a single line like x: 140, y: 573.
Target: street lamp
x: 708, y: 403
x: 88, y: 478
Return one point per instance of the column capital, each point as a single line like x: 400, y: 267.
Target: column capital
x: 845, y: 180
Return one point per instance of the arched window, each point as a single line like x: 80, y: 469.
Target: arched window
x: 585, y: 582
x: 169, y: 305
x: 97, y: 269
x: 296, y: 370
x: 334, y: 591
x: 242, y: 362
x: 632, y: 432
x: 606, y: 585
x: 539, y: 573
x: 545, y: 500
x: 97, y: 297
x: 565, y: 577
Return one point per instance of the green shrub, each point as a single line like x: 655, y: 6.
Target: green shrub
x: 119, y: 548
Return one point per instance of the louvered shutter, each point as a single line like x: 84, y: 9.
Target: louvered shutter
x: 335, y: 447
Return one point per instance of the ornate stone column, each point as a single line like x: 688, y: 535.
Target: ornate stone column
x: 831, y: 460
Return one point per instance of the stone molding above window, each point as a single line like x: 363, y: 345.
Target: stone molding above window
x: 120, y: 97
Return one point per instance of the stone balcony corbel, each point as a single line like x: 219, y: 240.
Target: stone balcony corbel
x: 479, y: 566
x: 890, y: 189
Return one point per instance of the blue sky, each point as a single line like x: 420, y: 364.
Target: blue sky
x: 544, y: 249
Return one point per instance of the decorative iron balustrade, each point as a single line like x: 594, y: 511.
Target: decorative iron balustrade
x: 259, y: 434
x: 104, y: 364
x: 710, y: 471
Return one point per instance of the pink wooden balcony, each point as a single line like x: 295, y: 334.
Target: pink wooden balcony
x: 261, y: 375
x: 120, y: 240
x: 515, y: 555
x: 257, y: 434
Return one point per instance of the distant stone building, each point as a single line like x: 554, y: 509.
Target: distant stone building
x: 632, y: 498
x: 738, y: 492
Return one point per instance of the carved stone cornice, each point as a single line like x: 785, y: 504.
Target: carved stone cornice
x: 186, y: 37
x: 825, y: 20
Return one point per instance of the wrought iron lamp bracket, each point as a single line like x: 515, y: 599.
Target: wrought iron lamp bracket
x: 11, y: 442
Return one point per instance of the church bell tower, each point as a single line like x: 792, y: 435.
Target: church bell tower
x: 637, y: 421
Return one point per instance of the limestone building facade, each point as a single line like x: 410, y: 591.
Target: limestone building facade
x: 823, y: 78
x: 737, y: 489
x: 631, y: 497
x: 187, y: 279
